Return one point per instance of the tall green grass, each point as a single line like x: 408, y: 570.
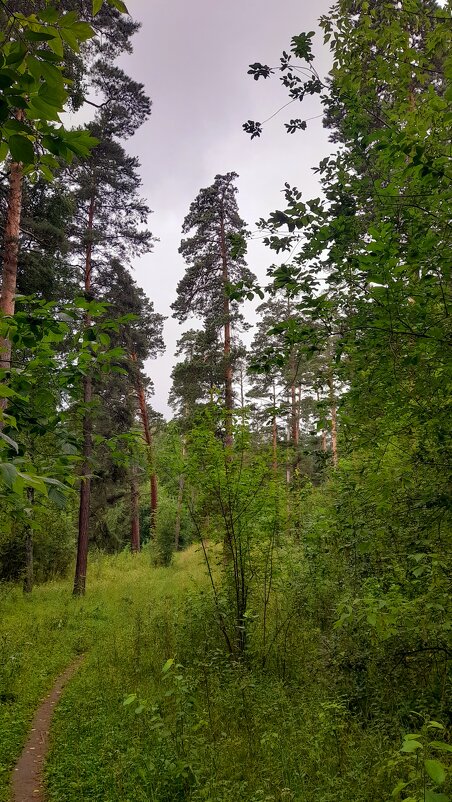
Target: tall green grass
x: 159, y: 711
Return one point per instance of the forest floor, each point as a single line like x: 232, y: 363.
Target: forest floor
x: 42, y: 634
x: 158, y: 712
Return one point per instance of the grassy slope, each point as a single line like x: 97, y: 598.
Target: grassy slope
x: 204, y: 729
x: 40, y: 635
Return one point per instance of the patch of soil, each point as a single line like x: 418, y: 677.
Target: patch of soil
x: 27, y: 778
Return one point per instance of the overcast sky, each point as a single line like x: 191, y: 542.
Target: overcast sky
x: 193, y: 56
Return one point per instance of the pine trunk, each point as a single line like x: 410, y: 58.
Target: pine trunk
x: 274, y: 435
x: 333, y: 420
x: 10, y: 258
x: 228, y: 394
x: 85, y: 495
x: 180, y: 498
x: 147, y: 436
x: 134, y: 511
x: 29, y: 570
x: 87, y: 448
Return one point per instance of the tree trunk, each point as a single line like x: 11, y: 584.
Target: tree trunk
x: 134, y: 511
x: 294, y: 416
x: 87, y: 449
x: 333, y: 420
x: 29, y: 572
x: 274, y: 435
x: 10, y: 258
x: 323, y: 435
x: 85, y: 494
x: 180, y: 498
x: 228, y: 394
x: 288, y: 462
x: 147, y: 436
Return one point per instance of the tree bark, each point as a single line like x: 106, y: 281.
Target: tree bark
x: 85, y: 495
x: 228, y: 376
x: 29, y: 571
x: 87, y: 449
x: 274, y: 435
x: 333, y: 420
x: 134, y: 511
x: 147, y: 436
x: 10, y: 258
x: 180, y: 498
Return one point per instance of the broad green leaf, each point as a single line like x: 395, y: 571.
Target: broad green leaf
x: 435, y: 770
x: 52, y: 75
x: 129, y: 699
x: 17, y: 55
x: 119, y: 5
x: 41, y: 110
x: 39, y: 36
x: 97, y: 5
x: 82, y: 31
x: 21, y: 149
x: 57, y: 497
x: 35, y: 66
x: 57, y: 46
x: 6, y: 391
x: 49, y: 15
x: 32, y: 481
x: 70, y: 38
x: 443, y: 747
x: 167, y: 665
x: 8, y: 472
x: 432, y: 796
x: 411, y: 746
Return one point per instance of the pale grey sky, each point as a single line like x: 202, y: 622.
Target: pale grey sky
x: 193, y: 56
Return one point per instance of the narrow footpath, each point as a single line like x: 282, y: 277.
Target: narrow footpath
x: 27, y: 778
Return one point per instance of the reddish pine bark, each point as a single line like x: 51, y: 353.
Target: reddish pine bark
x: 333, y: 421
x: 147, y: 436
x: 180, y: 497
x: 228, y: 395
x: 87, y: 448
x: 10, y: 258
x: 134, y: 512
x: 85, y: 495
x: 274, y: 435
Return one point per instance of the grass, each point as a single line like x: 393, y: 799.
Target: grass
x: 41, y: 634
x: 159, y: 712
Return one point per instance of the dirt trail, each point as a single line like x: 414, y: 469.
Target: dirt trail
x: 27, y: 778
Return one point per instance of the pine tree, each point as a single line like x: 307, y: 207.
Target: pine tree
x: 214, y: 257
x: 110, y: 221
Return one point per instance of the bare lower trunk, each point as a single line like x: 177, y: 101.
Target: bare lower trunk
x: 85, y: 495
x: 29, y: 570
x: 147, y: 436
x: 294, y: 415
x: 134, y: 511
x: 87, y: 450
x: 274, y: 435
x: 333, y: 421
x: 288, y: 464
x: 180, y: 497
x: 228, y: 376
x: 10, y: 258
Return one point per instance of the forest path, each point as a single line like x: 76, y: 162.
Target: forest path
x: 27, y: 781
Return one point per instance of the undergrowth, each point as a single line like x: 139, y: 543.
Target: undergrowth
x: 159, y: 711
